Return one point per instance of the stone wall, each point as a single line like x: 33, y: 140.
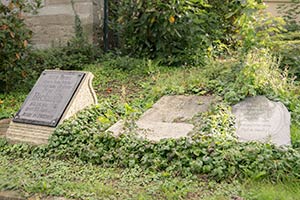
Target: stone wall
x: 55, y: 22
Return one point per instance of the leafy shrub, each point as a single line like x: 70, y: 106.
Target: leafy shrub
x: 180, y: 32
x: 9, y: 103
x: 257, y: 30
x: 287, y: 46
x: 14, y: 38
x: 160, y: 29
x: 230, y: 22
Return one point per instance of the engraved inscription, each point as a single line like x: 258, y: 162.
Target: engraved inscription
x: 49, y: 97
x: 257, y: 118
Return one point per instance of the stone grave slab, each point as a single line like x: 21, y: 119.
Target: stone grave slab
x: 259, y: 119
x: 168, y: 118
x: 56, y: 96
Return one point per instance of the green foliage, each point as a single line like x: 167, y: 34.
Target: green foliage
x: 287, y: 46
x: 257, y: 73
x: 73, y: 56
x: 167, y: 30
x: 9, y: 103
x: 257, y: 29
x: 287, y: 43
x: 44, y: 178
x: 14, y: 37
x: 229, y: 23
x: 182, y: 32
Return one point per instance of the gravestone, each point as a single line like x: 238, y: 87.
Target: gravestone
x: 259, y: 119
x: 168, y: 118
x: 56, y: 96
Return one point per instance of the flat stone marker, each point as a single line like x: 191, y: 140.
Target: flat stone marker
x: 168, y: 118
x: 259, y: 119
x: 56, y: 96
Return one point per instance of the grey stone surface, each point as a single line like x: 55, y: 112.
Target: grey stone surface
x: 176, y: 108
x: 259, y: 119
x: 37, y: 134
x: 168, y: 118
x: 156, y: 131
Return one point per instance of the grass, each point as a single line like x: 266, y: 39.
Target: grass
x: 45, y: 177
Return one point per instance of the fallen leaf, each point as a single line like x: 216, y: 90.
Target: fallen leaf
x: 24, y: 74
x: 18, y: 56
x: 12, y: 35
x: 25, y: 43
x: 11, y: 6
x: 3, y: 27
x: 108, y: 90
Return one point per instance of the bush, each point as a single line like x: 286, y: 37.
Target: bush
x: 180, y: 32
x: 160, y: 29
x: 288, y: 48
x: 287, y: 44
x: 14, y: 38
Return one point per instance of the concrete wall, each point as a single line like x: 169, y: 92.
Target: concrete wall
x: 55, y: 22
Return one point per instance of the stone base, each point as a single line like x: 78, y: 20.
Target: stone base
x: 4, y: 124
x: 32, y: 134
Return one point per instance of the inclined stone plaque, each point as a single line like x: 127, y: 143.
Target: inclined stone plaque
x: 57, y: 95
x: 259, y: 119
x: 49, y: 98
